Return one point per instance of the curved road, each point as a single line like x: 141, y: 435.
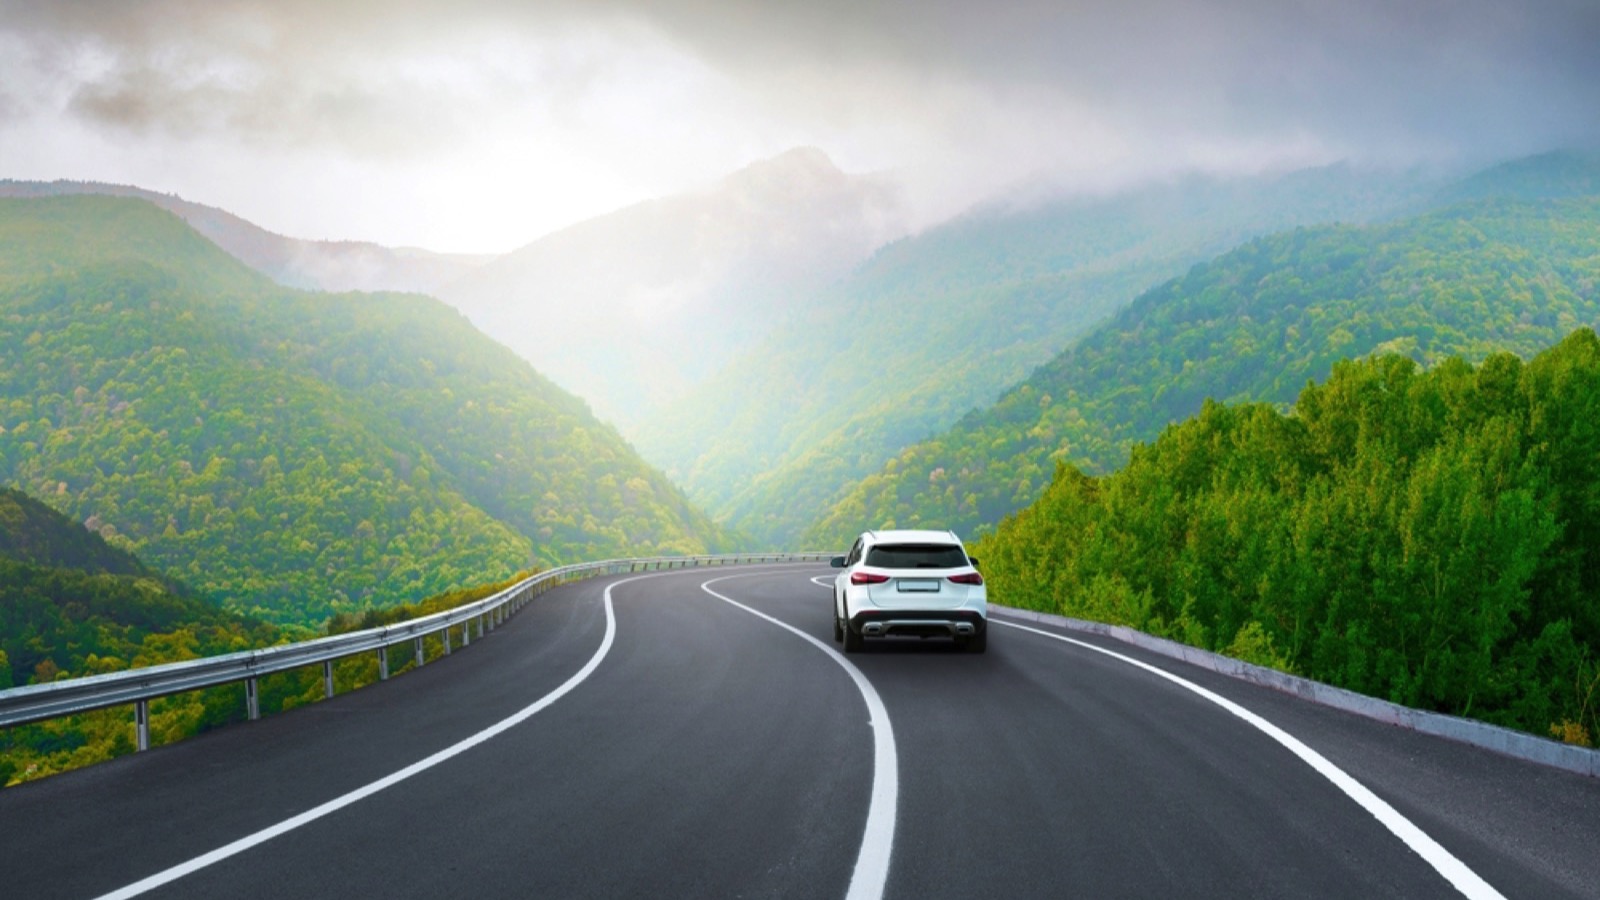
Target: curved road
x: 693, y: 734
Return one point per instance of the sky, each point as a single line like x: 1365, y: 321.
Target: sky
x: 480, y: 125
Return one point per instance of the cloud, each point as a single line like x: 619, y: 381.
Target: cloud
x: 1365, y: 73
x: 375, y: 74
x: 295, y: 74
x: 625, y: 98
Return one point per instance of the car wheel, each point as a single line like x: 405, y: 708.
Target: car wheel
x: 852, y: 640
x: 979, y: 642
x: 838, y: 628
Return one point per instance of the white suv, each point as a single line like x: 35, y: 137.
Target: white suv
x: 918, y: 583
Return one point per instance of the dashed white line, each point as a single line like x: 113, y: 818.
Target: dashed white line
x: 1443, y: 861
x: 340, y: 802
x: 877, y: 840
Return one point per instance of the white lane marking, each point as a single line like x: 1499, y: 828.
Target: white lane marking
x: 1454, y: 870
x: 877, y: 841
x: 822, y: 581
x: 338, y: 803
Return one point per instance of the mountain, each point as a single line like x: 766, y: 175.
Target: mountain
x: 312, y: 265
x: 292, y: 454
x: 938, y: 323
x: 631, y: 309
x: 1257, y: 323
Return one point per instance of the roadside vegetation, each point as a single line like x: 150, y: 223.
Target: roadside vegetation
x: 73, y: 605
x: 1428, y: 536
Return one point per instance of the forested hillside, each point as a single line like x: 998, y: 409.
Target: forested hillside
x: 1254, y: 324
x: 1428, y: 536
x: 70, y: 605
x: 936, y: 324
x: 286, y: 453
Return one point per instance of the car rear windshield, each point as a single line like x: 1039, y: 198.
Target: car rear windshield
x: 916, y: 556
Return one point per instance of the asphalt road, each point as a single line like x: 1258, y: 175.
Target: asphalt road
x: 688, y: 744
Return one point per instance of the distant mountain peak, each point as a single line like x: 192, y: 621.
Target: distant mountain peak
x: 790, y: 176
x: 812, y: 161
x: 651, y: 297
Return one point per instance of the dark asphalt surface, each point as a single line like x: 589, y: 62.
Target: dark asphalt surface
x: 714, y: 754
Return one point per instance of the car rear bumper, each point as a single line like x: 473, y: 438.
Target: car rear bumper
x: 919, y: 623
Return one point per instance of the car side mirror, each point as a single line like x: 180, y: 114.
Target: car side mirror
x: 837, y: 562
x: 973, y: 560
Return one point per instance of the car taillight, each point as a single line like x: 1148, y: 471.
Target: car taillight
x: 867, y: 578
x: 968, y: 578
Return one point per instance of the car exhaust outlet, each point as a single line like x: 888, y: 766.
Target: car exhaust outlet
x: 965, y: 629
x: 872, y: 629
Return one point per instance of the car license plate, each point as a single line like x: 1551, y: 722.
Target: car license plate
x: 916, y: 585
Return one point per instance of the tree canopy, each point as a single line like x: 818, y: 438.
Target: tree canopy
x: 1424, y: 535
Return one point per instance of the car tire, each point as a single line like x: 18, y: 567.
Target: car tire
x: 852, y: 640
x: 978, y: 643
x: 838, y: 628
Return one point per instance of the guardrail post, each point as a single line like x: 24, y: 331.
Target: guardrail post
x: 466, y: 633
x: 480, y: 628
x: 252, y: 699
x: 327, y: 678
x: 383, y: 663
x: 446, y: 634
x: 417, y: 642
x: 141, y: 723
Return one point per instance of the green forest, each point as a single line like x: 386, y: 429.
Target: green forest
x: 293, y: 455
x: 1423, y: 535
x: 71, y: 605
x: 1254, y: 324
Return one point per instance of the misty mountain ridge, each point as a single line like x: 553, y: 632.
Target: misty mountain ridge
x: 938, y: 322
x: 631, y: 309
x: 1511, y: 269
x: 292, y: 262
x: 712, y: 324
x: 1556, y: 175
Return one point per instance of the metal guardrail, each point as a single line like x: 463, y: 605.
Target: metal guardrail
x: 37, y: 702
